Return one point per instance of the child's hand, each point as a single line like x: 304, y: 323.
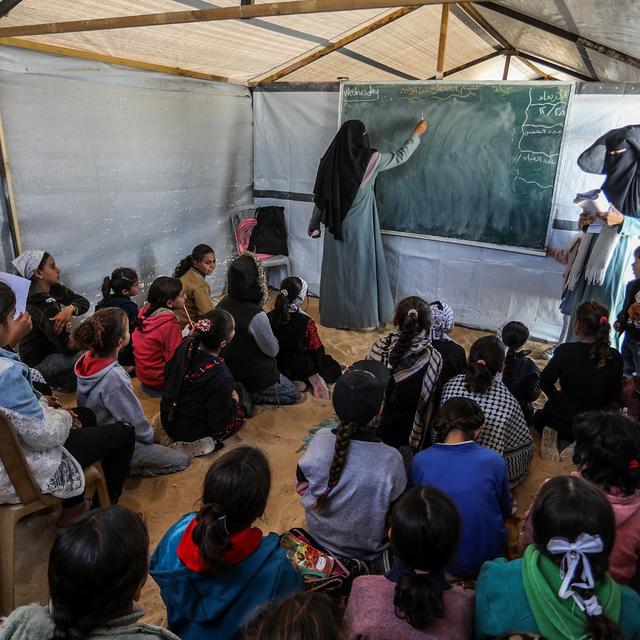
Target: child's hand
x: 62, y: 319
x: 235, y: 396
x: 21, y: 327
x: 75, y: 424
x: 52, y: 401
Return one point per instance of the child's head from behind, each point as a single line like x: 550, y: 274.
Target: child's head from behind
x: 215, y: 329
x: 123, y: 282
x: 607, y: 450
x: 592, y: 323
x: 96, y: 570
x: 309, y: 615
x: 234, y: 495
x: 461, y: 414
x: 202, y: 258
x: 424, y: 534
x: 104, y: 333
x: 514, y: 334
x: 293, y: 291
x: 486, y: 359
x: 166, y: 292
x: 413, y: 311
x: 442, y: 320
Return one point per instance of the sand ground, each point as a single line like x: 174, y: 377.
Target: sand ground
x: 278, y: 432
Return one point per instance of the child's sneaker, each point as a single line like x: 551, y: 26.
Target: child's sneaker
x: 549, y: 445
x: 197, y: 448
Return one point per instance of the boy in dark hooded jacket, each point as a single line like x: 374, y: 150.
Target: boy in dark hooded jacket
x: 251, y: 355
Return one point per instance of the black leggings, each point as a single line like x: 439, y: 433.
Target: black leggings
x: 110, y: 444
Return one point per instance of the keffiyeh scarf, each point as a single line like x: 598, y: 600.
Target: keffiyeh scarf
x: 442, y: 321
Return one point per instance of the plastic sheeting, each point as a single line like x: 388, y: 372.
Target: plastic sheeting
x: 484, y: 286
x: 115, y: 167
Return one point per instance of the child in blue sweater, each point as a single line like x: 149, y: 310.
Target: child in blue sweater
x: 474, y: 477
x: 105, y: 388
x: 213, y: 567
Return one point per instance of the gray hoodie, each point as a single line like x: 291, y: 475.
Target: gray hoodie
x: 108, y: 392
x: 33, y: 622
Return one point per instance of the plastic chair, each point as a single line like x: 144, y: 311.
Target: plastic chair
x: 244, y: 211
x: 32, y: 501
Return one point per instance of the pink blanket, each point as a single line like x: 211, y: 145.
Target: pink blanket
x: 243, y: 236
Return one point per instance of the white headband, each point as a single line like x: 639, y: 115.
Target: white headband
x: 27, y: 262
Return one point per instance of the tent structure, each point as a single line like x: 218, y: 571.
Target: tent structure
x: 129, y: 129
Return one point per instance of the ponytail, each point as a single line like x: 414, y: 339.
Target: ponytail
x: 106, y: 287
x: 412, y: 316
x: 343, y: 437
x: 418, y: 599
x: 486, y: 359
x: 290, y: 288
x: 592, y: 319
x: 211, y: 534
x: 513, y: 335
x: 122, y: 278
x: 183, y: 266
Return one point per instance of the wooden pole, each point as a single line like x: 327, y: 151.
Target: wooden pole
x: 563, y: 33
x: 5, y: 174
x: 125, y: 62
x: 507, y: 62
x: 471, y: 63
x: 556, y: 66
x: 442, y: 43
x: 268, y: 9
x: 334, y: 46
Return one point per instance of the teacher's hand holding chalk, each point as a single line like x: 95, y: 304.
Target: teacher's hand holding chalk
x: 421, y: 127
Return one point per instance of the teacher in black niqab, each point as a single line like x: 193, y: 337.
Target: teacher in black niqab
x: 340, y: 174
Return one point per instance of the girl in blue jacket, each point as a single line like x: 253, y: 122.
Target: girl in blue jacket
x: 213, y: 568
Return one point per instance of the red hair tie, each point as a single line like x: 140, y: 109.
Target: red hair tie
x: 634, y: 464
x: 482, y: 362
x: 604, y: 320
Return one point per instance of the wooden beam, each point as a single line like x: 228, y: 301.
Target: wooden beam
x: 486, y: 26
x: 556, y: 66
x: 507, y: 62
x: 442, y: 42
x: 125, y: 62
x: 334, y: 46
x: 5, y: 174
x: 8, y: 5
x: 269, y: 9
x: 471, y: 63
x: 563, y: 33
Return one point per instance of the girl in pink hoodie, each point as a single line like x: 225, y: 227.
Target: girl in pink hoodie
x: 607, y: 453
x: 158, y: 333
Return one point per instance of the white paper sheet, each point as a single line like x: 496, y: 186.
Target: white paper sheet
x: 19, y: 286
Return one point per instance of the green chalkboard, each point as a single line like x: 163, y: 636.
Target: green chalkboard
x: 484, y: 172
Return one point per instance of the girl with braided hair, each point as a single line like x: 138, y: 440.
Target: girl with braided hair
x: 213, y: 567
x: 589, y: 372
x: 105, y: 388
x: 301, y: 356
x: 474, y: 477
x: 97, y: 569
x: 415, y: 369
x: 348, y: 478
x: 199, y: 400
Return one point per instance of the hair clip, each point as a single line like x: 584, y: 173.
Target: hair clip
x: 634, y: 464
x: 203, y: 325
x: 284, y: 292
x: 482, y: 362
x: 603, y: 320
x: 412, y: 312
x: 222, y: 523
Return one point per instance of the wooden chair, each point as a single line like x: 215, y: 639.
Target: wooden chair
x: 32, y: 501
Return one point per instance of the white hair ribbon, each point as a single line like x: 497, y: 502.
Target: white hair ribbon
x: 300, y: 298
x: 412, y: 312
x: 576, y: 553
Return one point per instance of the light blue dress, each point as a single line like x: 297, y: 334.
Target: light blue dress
x: 611, y: 292
x: 354, y: 284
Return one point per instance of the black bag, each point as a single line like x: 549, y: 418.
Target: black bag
x: 270, y: 233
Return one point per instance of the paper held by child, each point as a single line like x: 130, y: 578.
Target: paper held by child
x: 20, y: 287
x: 594, y: 202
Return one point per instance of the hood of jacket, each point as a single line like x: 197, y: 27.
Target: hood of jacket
x: 625, y: 507
x: 246, y: 279
x: 157, y: 319
x: 91, y: 372
x: 203, y: 597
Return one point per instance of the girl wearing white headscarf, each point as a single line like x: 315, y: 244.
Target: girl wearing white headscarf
x: 301, y: 357
x: 51, y: 305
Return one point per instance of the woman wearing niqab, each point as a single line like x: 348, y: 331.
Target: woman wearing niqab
x: 354, y: 284
x: 598, y: 270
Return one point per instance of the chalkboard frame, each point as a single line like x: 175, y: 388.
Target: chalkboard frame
x: 537, y: 83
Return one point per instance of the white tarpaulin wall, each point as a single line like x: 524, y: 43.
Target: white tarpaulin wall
x: 293, y: 127
x: 115, y: 167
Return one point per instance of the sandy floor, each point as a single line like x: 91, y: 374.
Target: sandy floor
x: 278, y: 432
